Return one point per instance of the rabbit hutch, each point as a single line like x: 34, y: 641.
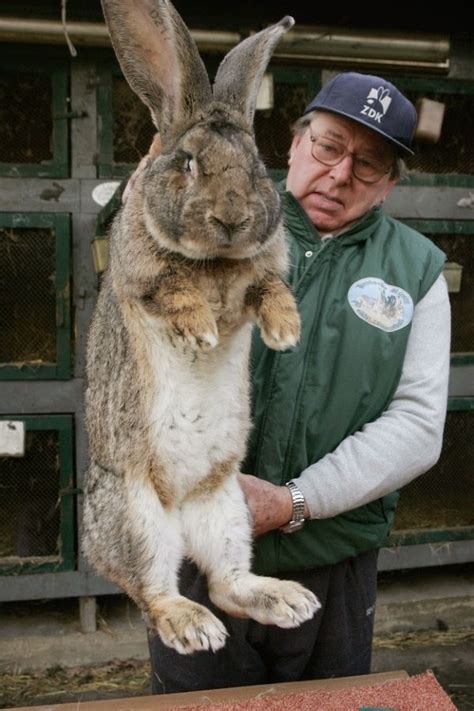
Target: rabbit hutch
x: 71, y: 130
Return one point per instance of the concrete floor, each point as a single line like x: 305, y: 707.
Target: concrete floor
x: 424, y: 620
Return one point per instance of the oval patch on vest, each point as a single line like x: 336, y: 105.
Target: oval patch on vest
x: 384, y: 306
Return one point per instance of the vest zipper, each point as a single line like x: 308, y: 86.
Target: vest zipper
x: 276, y: 361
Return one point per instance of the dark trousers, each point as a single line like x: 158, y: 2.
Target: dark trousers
x: 336, y: 642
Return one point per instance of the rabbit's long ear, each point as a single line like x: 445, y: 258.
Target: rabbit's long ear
x: 240, y: 73
x: 159, y: 58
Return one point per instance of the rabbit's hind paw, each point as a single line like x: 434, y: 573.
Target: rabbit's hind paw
x: 188, y: 627
x: 267, y: 600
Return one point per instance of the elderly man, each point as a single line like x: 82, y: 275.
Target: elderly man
x: 350, y: 415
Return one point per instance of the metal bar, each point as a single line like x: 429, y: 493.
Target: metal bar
x: 306, y: 43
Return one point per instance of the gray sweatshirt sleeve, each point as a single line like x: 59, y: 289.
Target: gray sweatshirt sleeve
x: 406, y: 440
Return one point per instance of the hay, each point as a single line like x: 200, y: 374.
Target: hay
x: 424, y: 638
x: 131, y: 678
x: 126, y: 678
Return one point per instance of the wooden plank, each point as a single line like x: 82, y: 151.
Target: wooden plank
x: 76, y: 195
x: 204, y: 698
x: 88, y: 614
x: 84, y: 127
x: 430, y: 203
x: 39, y: 195
x: 20, y: 397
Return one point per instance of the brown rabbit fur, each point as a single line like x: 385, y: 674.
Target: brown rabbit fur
x: 196, y: 254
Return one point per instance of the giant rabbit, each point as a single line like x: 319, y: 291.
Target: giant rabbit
x: 197, y: 253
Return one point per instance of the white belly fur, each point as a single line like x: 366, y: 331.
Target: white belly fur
x: 199, y: 414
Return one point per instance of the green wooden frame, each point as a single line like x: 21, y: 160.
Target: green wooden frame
x: 58, y: 167
x: 107, y: 168
x: 66, y: 559
x: 438, y: 535
x: 439, y: 227
x: 60, y: 226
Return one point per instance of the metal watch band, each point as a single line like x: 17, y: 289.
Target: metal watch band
x: 298, y: 519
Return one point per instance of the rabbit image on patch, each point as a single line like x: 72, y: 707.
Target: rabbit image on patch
x: 197, y: 253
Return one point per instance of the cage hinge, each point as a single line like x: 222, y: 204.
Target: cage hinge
x: 71, y: 491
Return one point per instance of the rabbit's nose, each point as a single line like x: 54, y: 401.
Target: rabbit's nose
x: 226, y: 229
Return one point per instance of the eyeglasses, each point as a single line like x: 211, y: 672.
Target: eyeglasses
x: 330, y: 152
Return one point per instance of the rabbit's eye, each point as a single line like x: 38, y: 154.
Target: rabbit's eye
x: 189, y: 165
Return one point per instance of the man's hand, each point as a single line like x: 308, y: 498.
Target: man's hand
x: 270, y: 506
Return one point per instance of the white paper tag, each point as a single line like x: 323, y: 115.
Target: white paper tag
x: 12, y: 438
x: 103, y: 192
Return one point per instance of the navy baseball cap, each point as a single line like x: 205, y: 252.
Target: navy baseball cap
x: 373, y: 102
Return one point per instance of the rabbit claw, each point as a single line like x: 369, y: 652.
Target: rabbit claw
x: 281, y: 331
x: 200, y: 334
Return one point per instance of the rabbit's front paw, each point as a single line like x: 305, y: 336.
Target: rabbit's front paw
x: 280, y: 327
x: 188, y: 627
x: 197, y: 328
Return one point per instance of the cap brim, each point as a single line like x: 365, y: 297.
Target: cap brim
x: 393, y: 141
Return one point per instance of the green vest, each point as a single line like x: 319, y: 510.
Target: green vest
x: 342, y: 374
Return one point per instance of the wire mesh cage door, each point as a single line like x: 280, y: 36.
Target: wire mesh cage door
x: 37, y: 528
x: 293, y: 89
x: 459, y: 250
x: 454, y: 152
x: 126, y: 130
x: 33, y: 120
x: 437, y: 506
x: 456, y: 239
x: 450, y: 160
x: 34, y: 296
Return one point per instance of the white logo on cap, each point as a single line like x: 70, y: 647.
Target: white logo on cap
x: 380, y: 97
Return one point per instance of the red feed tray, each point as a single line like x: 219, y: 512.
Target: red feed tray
x: 385, y: 691
x: 418, y: 693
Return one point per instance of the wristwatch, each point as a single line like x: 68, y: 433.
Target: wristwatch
x: 298, y: 519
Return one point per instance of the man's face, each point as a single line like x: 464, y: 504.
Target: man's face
x: 331, y: 195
